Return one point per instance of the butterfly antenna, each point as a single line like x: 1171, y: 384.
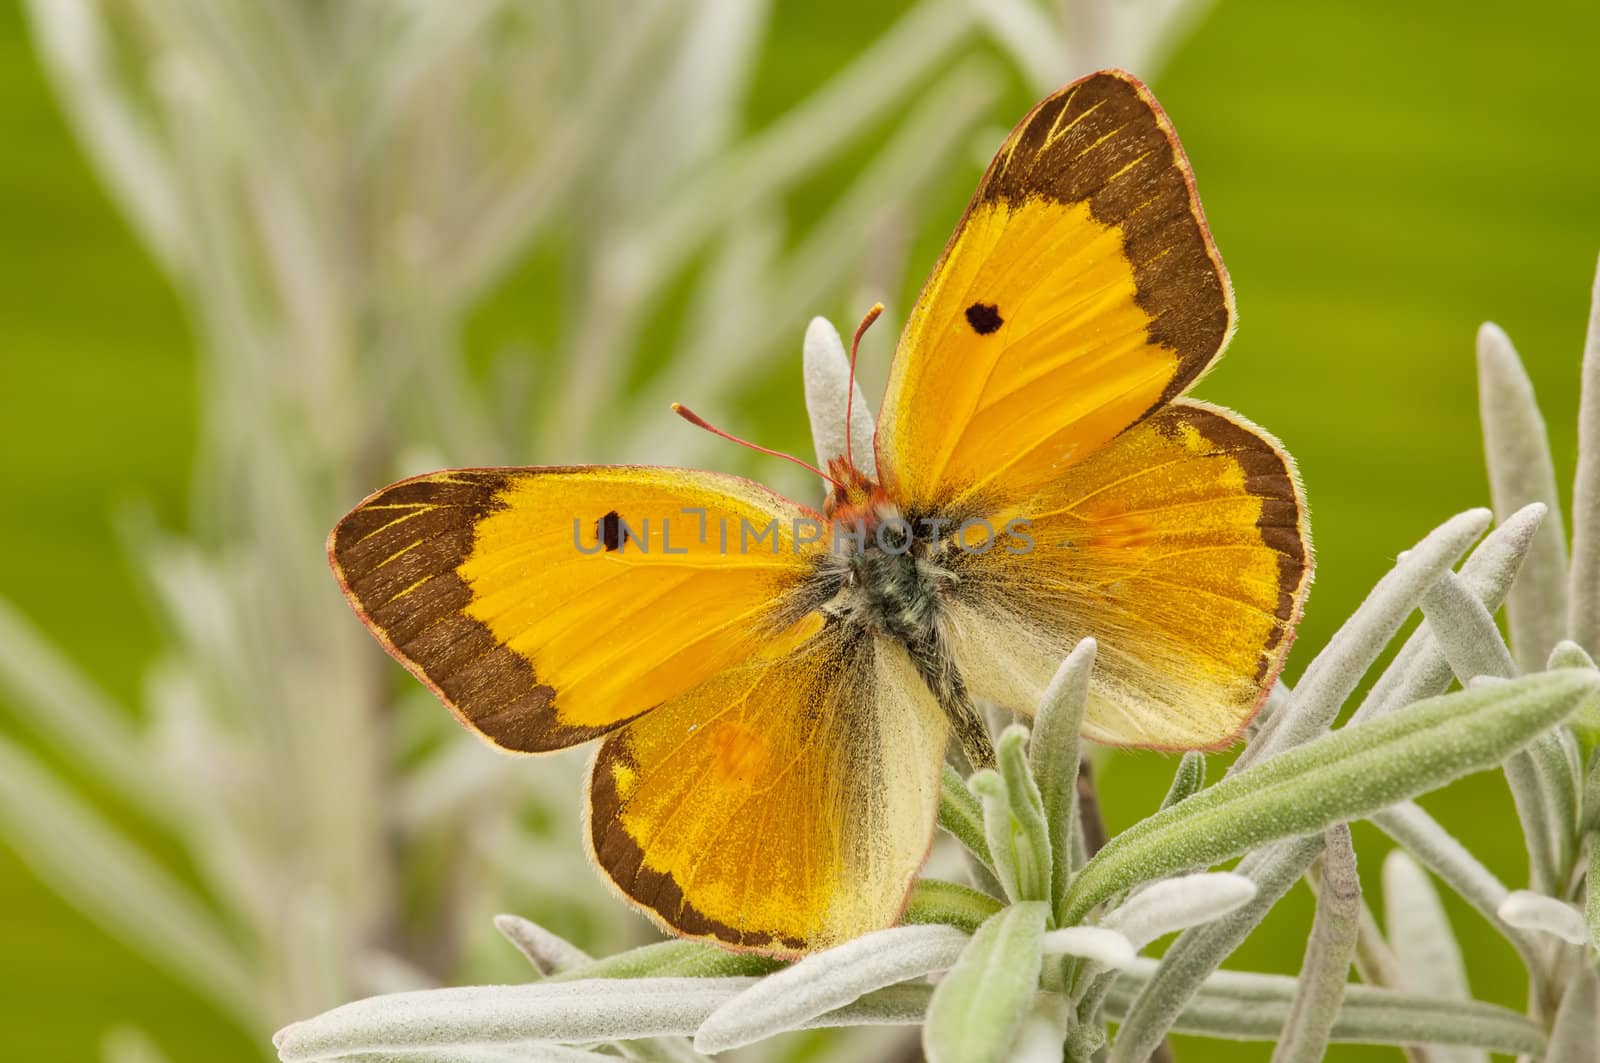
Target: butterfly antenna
x: 700, y: 422
x: 850, y: 393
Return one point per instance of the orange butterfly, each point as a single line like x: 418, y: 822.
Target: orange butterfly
x: 776, y: 688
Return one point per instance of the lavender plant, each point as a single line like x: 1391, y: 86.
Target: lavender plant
x: 1039, y: 950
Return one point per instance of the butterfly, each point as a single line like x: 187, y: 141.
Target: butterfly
x: 775, y: 689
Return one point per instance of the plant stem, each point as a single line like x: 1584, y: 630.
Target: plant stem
x: 1094, y: 825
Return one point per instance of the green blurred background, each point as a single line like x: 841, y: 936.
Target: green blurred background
x: 1380, y: 178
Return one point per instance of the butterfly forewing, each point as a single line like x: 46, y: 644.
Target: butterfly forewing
x: 1080, y: 291
x: 547, y: 606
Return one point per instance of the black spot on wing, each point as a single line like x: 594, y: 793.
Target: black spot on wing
x: 609, y: 529
x: 984, y: 318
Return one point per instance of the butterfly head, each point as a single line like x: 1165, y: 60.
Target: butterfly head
x: 854, y: 494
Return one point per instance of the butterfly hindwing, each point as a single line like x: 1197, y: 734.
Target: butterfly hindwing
x: 1182, y: 548
x: 547, y: 606
x: 782, y: 807
x: 1080, y: 291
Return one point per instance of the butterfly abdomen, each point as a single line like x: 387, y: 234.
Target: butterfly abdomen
x: 888, y: 579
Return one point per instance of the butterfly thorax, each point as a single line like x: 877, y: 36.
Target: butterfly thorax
x: 887, y: 579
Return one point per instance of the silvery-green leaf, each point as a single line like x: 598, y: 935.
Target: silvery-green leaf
x: 1439, y: 851
x: 1274, y: 710
x: 1583, y: 587
x: 1591, y: 905
x: 1053, y: 753
x: 813, y: 133
x: 978, y: 1008
x: 1032, y: 39
x: 122, y: 888
x: 827, y: 980
x: 529, y: 1052
x: 1252, y: 1007
x: 961, y: 815
x: 447, y: 1021
x: 1109, y: 948
x: 1329, y: 951
x: 522, y: 198
x: 896, y: 1005
x: 936, y: 901
x: 575, y: 1012
x: 1032, y: 835
x: 1527, y: 910
x: 1544, y: 778
x: 1016, y: 862
x: 1420, y: 670
x: 1178, y: 903
x: 1196, y: 955
x: 1549, y: 769
x: 1466, y: 633
x: 1337, y: 670
x: 1419, y: 931
x: 1569, y: 654
x: 1520, y: 471
x: 673, y: 959
x: 828, y: 383
x: 1044, y: 1028
x: 1375, y: 960
x: 1188, y: 779
x: 59, y: 702
x: 697, y: 102
x: 549, y: 953
x: 1576, y: 1030
x: 1341, y: 776
x: 1586, y: 724
x: 1426, y: 958
x: 1591, y: 793
x: 1198, y: 952
x: 73, y: 44
x: 1541, y: 784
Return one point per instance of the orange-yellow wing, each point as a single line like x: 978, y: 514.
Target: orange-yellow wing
x: 1182, y: 547
x: 1080, y: 291
x: 547, y: 606
x: 782, y: 807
